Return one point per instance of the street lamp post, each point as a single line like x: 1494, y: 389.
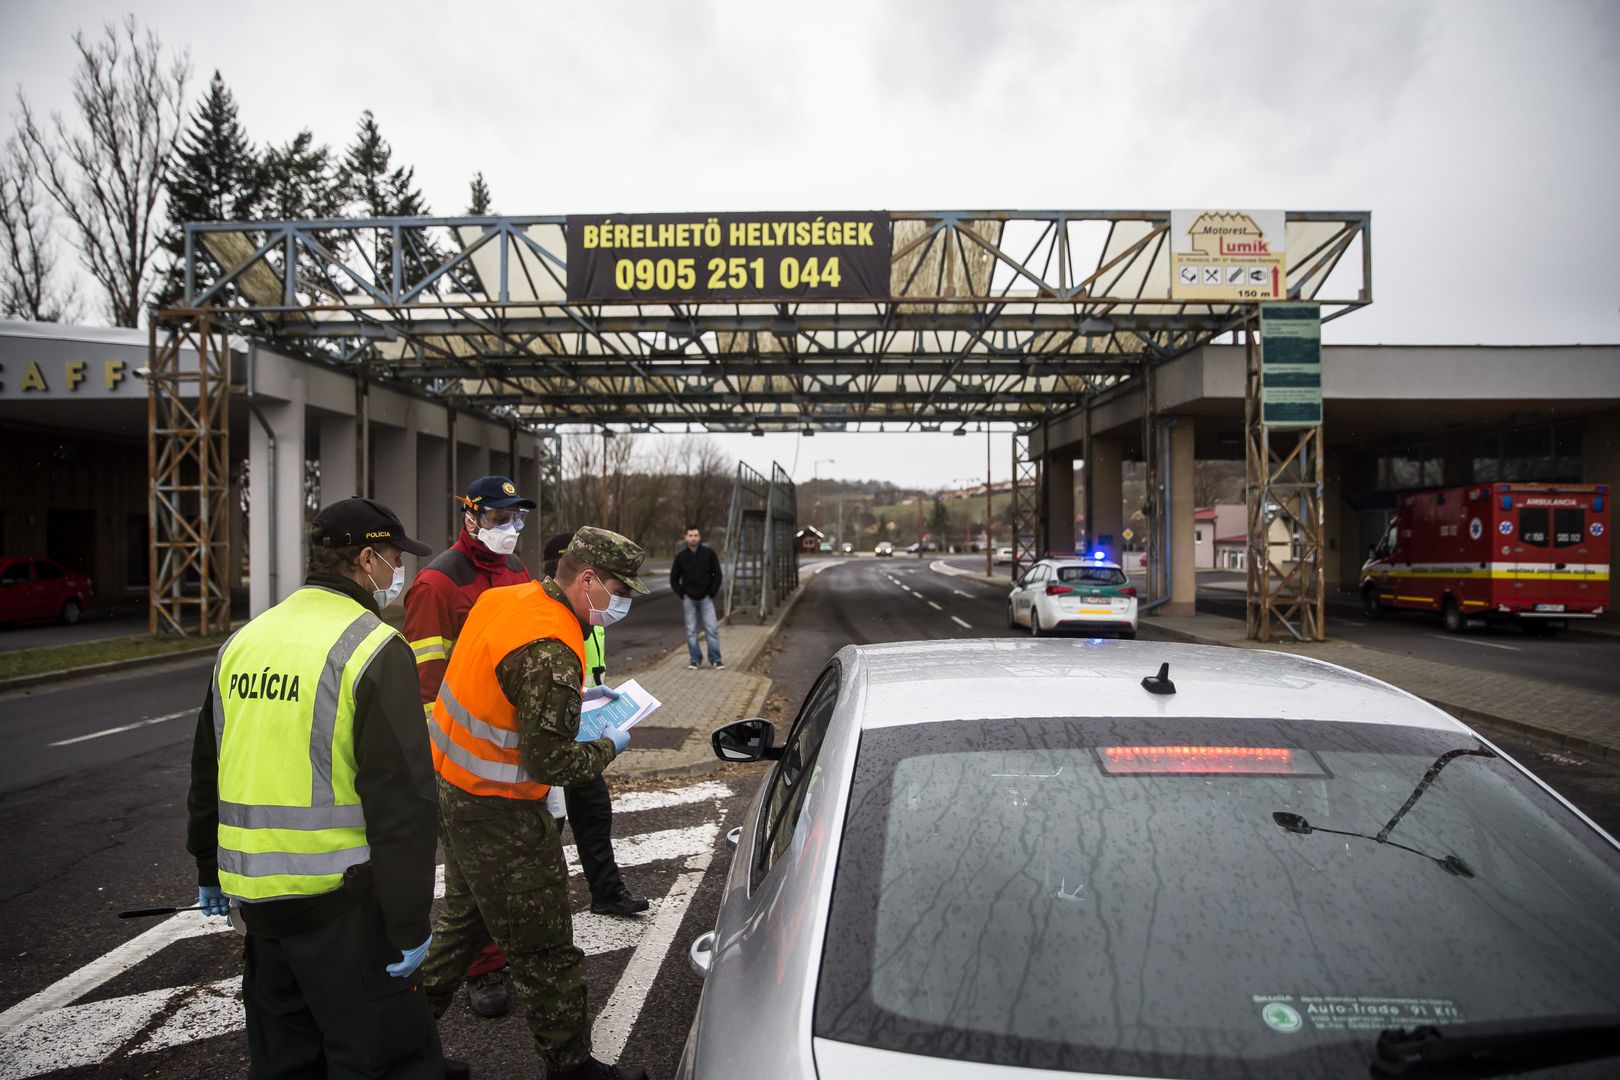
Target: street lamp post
x: 989, y: 563
x: 815, y: 486
x: 965, y: 484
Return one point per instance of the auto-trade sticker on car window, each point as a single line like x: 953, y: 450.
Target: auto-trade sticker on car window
x: 1290, y: 1013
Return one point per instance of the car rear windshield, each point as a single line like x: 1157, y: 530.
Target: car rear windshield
x: 1204, y: 898
x: 1091, y: 575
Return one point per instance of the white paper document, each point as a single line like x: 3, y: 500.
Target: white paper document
x: 633, y: 705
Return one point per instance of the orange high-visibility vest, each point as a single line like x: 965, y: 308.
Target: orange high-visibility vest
x: 475, y: 727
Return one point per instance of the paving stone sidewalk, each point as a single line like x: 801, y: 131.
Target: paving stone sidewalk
x: 1580, y: 719
x: 674, y: 741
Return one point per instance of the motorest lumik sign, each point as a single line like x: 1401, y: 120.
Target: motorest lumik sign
x: 1235, y: 255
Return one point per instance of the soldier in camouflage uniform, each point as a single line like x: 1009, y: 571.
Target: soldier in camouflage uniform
x: 504, y: 874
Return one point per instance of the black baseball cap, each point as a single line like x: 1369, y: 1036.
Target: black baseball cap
x: 359, y: 522
x: 555, y: 547
x: 495, y: 493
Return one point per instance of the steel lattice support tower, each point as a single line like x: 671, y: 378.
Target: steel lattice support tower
x: 188, y: 454
x: 1283, y: 482
x: 1027, y: 499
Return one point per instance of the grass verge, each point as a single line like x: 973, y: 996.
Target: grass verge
x: 65, y: 657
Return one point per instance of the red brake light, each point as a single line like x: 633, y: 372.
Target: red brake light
x: 1129, y: 590
x: 1203, y: 760
x: 1058, y: 590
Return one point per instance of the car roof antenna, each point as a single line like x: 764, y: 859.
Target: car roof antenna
x: 1160, y: 683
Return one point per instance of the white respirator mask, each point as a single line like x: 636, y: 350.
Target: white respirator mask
x: 502, y: 539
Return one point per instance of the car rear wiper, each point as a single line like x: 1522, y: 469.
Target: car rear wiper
x: 1495, y: 1048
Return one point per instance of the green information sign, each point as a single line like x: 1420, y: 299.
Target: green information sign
x: 1290, y: 365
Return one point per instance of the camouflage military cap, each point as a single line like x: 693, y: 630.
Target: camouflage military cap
x: 610, y: 553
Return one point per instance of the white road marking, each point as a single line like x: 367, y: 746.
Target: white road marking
x: 634, y: 802
x: 959, y: 592
x: 960, y: 623
x: 124, y: 727
x: 633, y: 850
x: 935, y: 606
x: 110, y: 965
x: 1475, y: 641
x: 48, y: 1031
x: 612, y: 1027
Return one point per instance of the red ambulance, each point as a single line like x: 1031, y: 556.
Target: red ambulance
x: 1536, y: 554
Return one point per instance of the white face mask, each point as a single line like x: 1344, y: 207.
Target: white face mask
x: 618, y: 607
x: 384, y: 597
x: 502, y: 539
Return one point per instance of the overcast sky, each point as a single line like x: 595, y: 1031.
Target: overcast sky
x: 1483, y: 136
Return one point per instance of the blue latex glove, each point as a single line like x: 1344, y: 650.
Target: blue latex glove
x: 408, y: 962
x: 620, y: 737
x: 212, y: 901
x: 600, y: 693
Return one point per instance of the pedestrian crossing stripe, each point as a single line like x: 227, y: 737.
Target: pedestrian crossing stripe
x: 52, y: 1030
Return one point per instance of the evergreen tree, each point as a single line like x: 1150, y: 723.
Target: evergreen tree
x: 300, y: 181
x: 373, y: 187
x: 215, y: 176
x: 478, y: 198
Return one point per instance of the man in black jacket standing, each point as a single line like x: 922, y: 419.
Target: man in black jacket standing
x: 695, y: 578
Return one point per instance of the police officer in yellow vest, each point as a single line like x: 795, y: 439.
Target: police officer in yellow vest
x: 313, y: 812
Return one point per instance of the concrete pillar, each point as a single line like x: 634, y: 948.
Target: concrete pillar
x: 394, y: 483
x: 337, y: 448
x: 1600, y: 449
x: 1181, y: 475
x: 1104, y: 473
x: 276, y: 538
x: 472, y: 461
x: 433, y: 509
x: 1339, y: 560
x: 1057, y: 473
x: 528, y: 484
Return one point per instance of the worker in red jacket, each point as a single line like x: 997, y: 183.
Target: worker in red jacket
x: 436, y: 608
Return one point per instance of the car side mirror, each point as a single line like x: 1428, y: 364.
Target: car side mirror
x: 745, y: 740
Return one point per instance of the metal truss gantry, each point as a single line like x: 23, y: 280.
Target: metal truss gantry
x: 992, y: 317
x: 1287, y: 588
x: 188, y: 457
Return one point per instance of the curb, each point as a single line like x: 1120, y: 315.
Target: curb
x: 22, y: 682
x: 709, y: 762
x: 1467, y: 715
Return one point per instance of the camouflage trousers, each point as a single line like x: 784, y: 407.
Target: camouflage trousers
x: 505, y: 879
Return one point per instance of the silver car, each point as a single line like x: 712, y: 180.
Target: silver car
x: 978, y: 858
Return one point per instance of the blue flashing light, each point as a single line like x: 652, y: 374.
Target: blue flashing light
x: 1507, y: 502
x: 1101, y: 555
x: 1597, y: 503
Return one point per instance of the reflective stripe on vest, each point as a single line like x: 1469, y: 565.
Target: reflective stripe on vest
x: 290, y: 820
x: 474, y: 728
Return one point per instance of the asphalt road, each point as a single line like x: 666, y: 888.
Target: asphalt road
x: 98, y: 825
x: 1578, y: 660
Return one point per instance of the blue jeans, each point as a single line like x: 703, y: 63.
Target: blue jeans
x: 711, y: 629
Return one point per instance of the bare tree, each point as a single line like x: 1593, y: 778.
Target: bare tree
x: 108, y: 176
x: 29, y: 288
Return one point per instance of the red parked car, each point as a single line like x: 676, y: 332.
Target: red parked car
x: 41, y: 589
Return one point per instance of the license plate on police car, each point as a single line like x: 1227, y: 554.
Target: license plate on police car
x: 1103, y: 600
x: 1549, y: 607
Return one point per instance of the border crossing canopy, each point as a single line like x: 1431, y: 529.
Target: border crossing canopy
x: 763, y: 321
